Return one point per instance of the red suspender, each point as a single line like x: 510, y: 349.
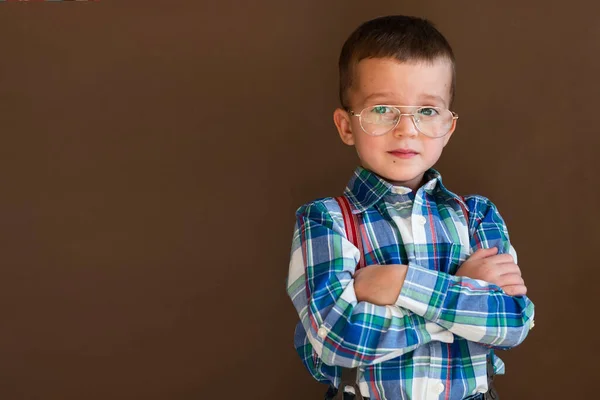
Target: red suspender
x: 352, y: 226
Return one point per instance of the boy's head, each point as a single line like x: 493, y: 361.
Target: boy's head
x: 404, y: 62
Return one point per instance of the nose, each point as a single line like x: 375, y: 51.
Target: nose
x: 406, y: 126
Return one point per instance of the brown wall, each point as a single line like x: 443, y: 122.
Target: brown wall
x: 153, y: 154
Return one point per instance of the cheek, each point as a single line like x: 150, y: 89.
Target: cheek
x: 434, y: 148
x: 366, y: 144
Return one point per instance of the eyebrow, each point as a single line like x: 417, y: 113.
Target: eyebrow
x: 389, y: 95
x: 379, y: 95
x: 435, y: 99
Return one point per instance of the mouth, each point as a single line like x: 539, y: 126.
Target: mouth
x: 403, y: 153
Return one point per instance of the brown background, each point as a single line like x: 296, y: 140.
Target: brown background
x: 153, y: 154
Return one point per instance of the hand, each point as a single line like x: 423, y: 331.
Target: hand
x: 379, y: 284
x: 499, y: 269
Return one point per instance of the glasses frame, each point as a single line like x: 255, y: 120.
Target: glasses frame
x: 397, y: 107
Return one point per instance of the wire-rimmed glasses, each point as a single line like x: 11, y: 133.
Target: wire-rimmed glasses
x: 377, y: 120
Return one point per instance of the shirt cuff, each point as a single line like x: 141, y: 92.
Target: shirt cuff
x: 424, y: 291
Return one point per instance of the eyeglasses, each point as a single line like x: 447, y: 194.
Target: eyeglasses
x: 435, y: 122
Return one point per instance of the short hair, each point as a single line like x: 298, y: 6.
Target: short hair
x: 396, y: 36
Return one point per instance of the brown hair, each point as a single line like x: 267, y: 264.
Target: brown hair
x: 396, y: 36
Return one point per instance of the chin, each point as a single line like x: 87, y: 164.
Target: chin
x: 404, y: 178
x: 405, y: 175
x: 399, y: 173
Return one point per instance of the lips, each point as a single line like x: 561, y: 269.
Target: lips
x: 403, y: 153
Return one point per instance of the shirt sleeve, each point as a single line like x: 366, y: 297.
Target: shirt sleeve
x: 473, y: 309
x: 342, y: 330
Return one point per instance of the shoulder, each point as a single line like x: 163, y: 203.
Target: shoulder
x: 478, y: 203
x: 480, y: 207
x: 324, y: 210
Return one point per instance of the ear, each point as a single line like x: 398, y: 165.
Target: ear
x: 342, y: 122
x: 447, y: 137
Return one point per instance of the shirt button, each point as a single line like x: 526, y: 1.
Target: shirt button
x: 421, y: 220
x: 322, y: 332
x: 439, y: 387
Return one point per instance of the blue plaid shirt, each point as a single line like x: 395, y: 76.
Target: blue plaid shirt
x: 433, y: 343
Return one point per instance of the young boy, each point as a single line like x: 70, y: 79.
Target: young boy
x: 440, y: 289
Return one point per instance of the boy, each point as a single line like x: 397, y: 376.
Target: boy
x: 440, y: 289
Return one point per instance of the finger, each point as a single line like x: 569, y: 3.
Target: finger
x: 509, y: 268
x: 510, y: 280
x: 483, y: 253
x: 501, y: 259
x: 515, y: 290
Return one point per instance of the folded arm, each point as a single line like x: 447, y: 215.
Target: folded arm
x: 343, y: 330
x: 471, y: 308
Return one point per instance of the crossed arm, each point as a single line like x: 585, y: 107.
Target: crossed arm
x: 383, y: 285
x: 350, y: 321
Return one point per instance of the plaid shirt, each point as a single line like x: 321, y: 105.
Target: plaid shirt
x: 433, y: 343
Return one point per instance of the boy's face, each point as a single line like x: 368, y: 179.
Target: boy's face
x: 404, y: 154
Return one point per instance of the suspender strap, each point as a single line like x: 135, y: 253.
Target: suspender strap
x: 352, y: 224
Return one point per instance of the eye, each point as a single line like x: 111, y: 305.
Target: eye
x: 428, y: 111
x: 381, y: 110
x: 380, y: 115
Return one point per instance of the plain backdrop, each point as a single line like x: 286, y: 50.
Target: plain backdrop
x: 153, y: 153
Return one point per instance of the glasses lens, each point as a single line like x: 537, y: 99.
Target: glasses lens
x: 433, y: 121
x: 378, y: 120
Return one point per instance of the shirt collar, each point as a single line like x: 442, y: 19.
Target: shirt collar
x: 366, y: 188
